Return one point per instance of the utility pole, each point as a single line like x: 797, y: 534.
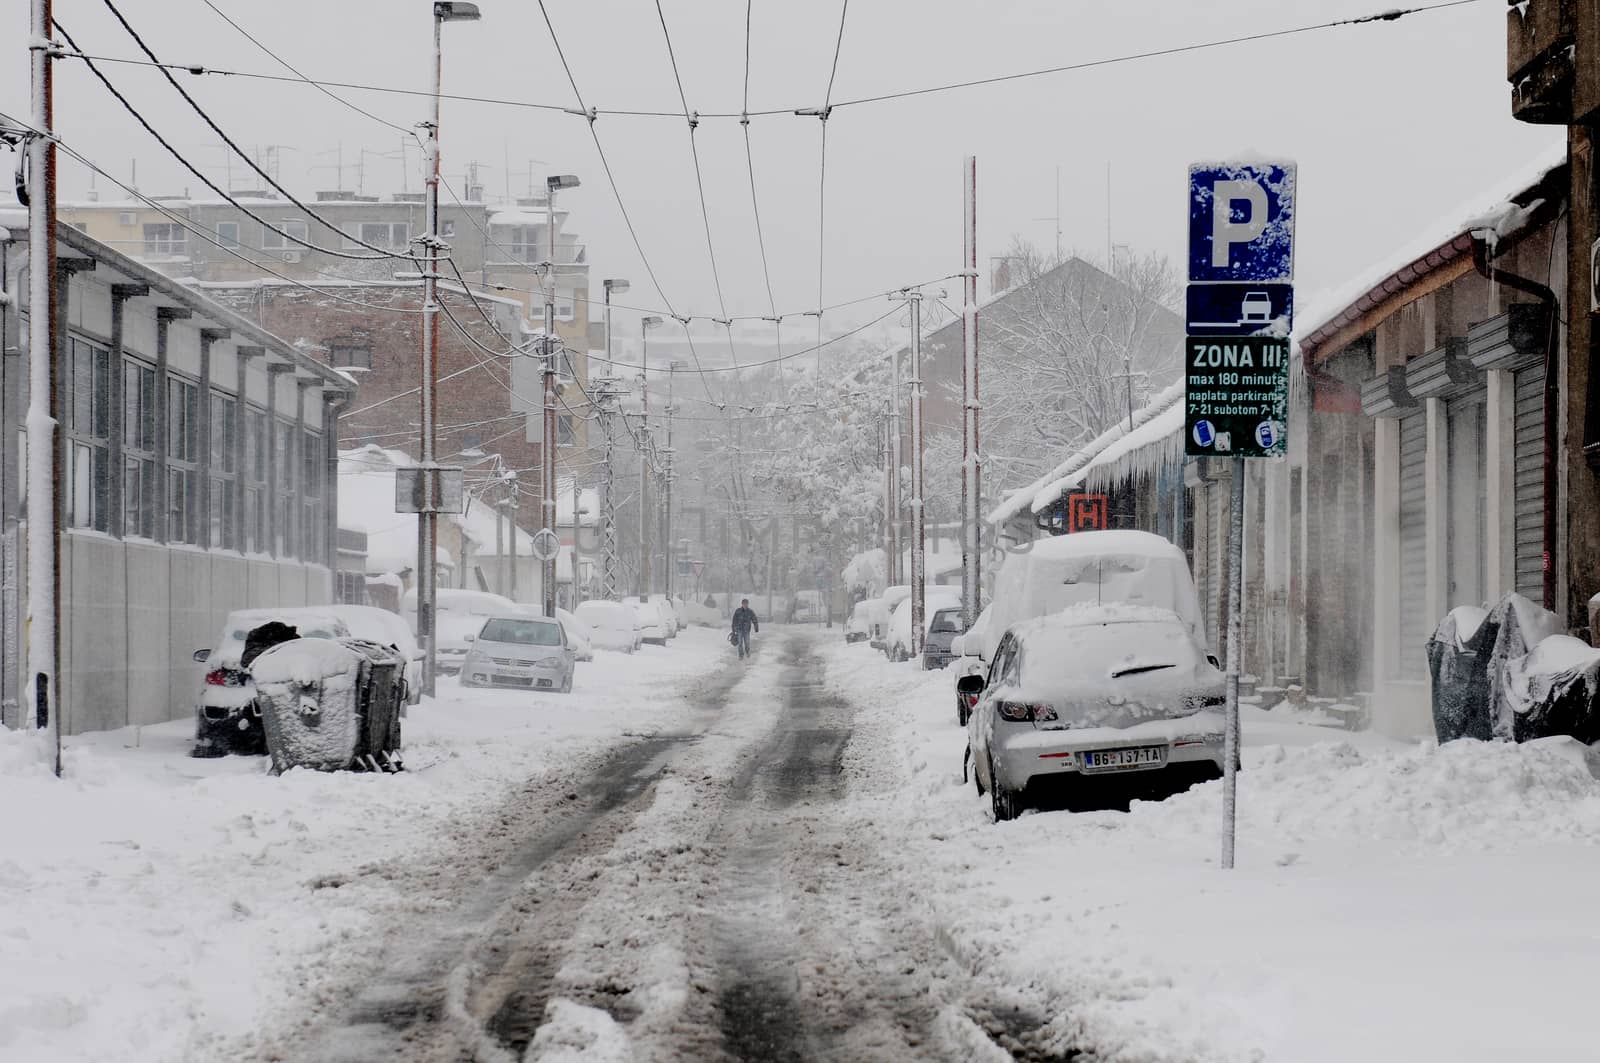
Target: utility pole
x: 919, y: 577
x: 512, y: 504
x: 897, y: 570
x: 577, y: 545
x: 668, y: 541
x: 608, y: 517
x: 548, y: 448
x: 44, y: 399
x: 645, y: 325
x: 971, y: 464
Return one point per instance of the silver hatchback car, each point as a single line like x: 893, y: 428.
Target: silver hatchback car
x: 520, y: 652
x: 1101, y: 704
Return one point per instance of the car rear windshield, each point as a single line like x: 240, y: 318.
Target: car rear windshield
x: 522, y: 632
x: 946, y: 621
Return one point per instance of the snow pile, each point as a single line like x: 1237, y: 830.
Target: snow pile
x: 304, y: 662
x: 1405, y: 885
x: 576, y: 1034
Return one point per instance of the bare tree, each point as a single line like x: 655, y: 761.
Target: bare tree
x: 1070, y: 350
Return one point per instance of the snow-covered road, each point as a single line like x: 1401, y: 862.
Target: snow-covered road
x: 693, y: 859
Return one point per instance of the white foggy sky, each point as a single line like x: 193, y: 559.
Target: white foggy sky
x: 1390, y: 123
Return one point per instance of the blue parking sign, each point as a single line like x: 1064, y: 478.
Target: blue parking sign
x: 1241, y: 221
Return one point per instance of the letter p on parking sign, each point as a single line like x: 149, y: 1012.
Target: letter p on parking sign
x: 1241, y: 221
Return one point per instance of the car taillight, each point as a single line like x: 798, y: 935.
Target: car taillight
x: 971, y: 700
x: 1021, y: 712
x: 224, y: 677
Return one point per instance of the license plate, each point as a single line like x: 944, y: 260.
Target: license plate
x: 1122, y: 759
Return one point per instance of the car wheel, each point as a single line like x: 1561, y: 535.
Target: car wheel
x: 1001, y: 800
x: 962, y: 713
x: 976, y: 781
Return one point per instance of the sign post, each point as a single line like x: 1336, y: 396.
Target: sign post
x: 1240, y: 305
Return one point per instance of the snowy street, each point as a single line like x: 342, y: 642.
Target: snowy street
x: 778, y: 861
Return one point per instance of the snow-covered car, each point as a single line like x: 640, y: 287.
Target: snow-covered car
x: 579, y: 636
x: 1101, y: 701
x: 387, y: 629
x: 669, y: 613
x: 652, y: 625
x: 459, y: 613
x: 612, y: 625
x: 810, y: 607
x: 943, y: 628
x: 897, y: 643
x: 858, y: 627
x: 891, y: 599
x: 519, y: 651
x: 1135, y: 567
x: 227, y: 716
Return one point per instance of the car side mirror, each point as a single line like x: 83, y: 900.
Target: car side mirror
x: 470, y: 638
x: 1213, y: 659
x: 971, y: 685
x: 201, y: 656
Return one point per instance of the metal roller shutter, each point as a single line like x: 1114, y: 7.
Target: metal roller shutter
x: 1528, y: 482
x: 1415, y: 624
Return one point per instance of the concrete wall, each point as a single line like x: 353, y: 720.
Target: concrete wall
x: 136, y: 611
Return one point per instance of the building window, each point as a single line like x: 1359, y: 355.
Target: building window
x: 524, y: 243
x: 283, y: 487
x: 164, y: 238
x: 253, y: 535
x: 357, y: 355
x: 283, y: 236
x: 311, y: 476
x: 566, y: 431
x: 393, y: 235
x: 228, y: 233
x: 139, y: 503
x: 89, y: 474
x: 447, y: 228
x: 183, y: 461
x: 224, y: 434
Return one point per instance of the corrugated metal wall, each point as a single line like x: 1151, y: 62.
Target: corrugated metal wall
x: 1528, y: 482
x: 1415, y: 624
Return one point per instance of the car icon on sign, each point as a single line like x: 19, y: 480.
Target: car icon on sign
x: 1255, y: 308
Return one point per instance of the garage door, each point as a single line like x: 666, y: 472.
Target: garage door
x: 1528, y: 482
x: 1415, y: 624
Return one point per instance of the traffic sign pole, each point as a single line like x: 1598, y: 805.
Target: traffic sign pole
x: 1240, y: 306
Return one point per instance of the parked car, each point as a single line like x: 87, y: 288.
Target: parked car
x: 858, y: 628
x: 877, y: 618
x: 943, y: 627
x: 1104, y: 702
x: 612, y: 625
x: 964, y: 648
x: 809, y: 607
x: 579, y: 635
x: 520, y: 651
x: 227, y: 716
x: 652, y: 625
x: 668, y: 612
x: 1096, y: 566
x: 460, y: 613
x: 897, y: 643
x: 387, y: 629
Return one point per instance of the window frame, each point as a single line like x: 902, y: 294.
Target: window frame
x: 282, y: 236
x: 174, y: 244
x: 140, y: 449
x: 223, y: 238
x: 89, y: 435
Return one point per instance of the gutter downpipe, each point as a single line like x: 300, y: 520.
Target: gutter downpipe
x: 1552, y: 400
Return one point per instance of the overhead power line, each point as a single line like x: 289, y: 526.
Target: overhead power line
x: 199, y: 69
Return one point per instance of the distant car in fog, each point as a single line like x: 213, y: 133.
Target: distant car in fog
x: 612, y: 625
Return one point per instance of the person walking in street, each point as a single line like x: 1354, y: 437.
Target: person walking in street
x: 744, y: 620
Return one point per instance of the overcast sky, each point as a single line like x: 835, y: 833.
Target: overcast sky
x: 1391, y: 123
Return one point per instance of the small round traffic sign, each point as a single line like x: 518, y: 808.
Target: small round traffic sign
x: 1204, y: 433
x: 545, y: 544
x: 1268, y: 433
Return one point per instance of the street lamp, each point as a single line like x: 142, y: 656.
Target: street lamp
x: 548, y: 450
x: 428, y: 521
x: 612, y: 285
x: 645, y: 325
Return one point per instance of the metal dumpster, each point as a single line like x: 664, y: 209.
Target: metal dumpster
x: 330, y: 704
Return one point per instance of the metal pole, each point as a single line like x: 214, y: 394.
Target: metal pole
x: 644, y: 464
x: 512, y: 503
x: 669, y: 541
x: 500, y: 546
x: 897, y: 571
x: 577, y: 546
x: 44, y: 400
x: 547, y: 455
x: 971, y: 465
x: 888, y: 499
x: 608, y: 518
x: 428, y: 520
x: 919, y: 575
x: 1230, y: 745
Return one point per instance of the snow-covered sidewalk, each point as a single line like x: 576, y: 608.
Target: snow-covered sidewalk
x: 1391, y: 902
x: 156, y: 906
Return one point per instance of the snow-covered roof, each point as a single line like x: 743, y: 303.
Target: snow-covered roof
x: 1068, y: 474
x: 1324, y: 310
